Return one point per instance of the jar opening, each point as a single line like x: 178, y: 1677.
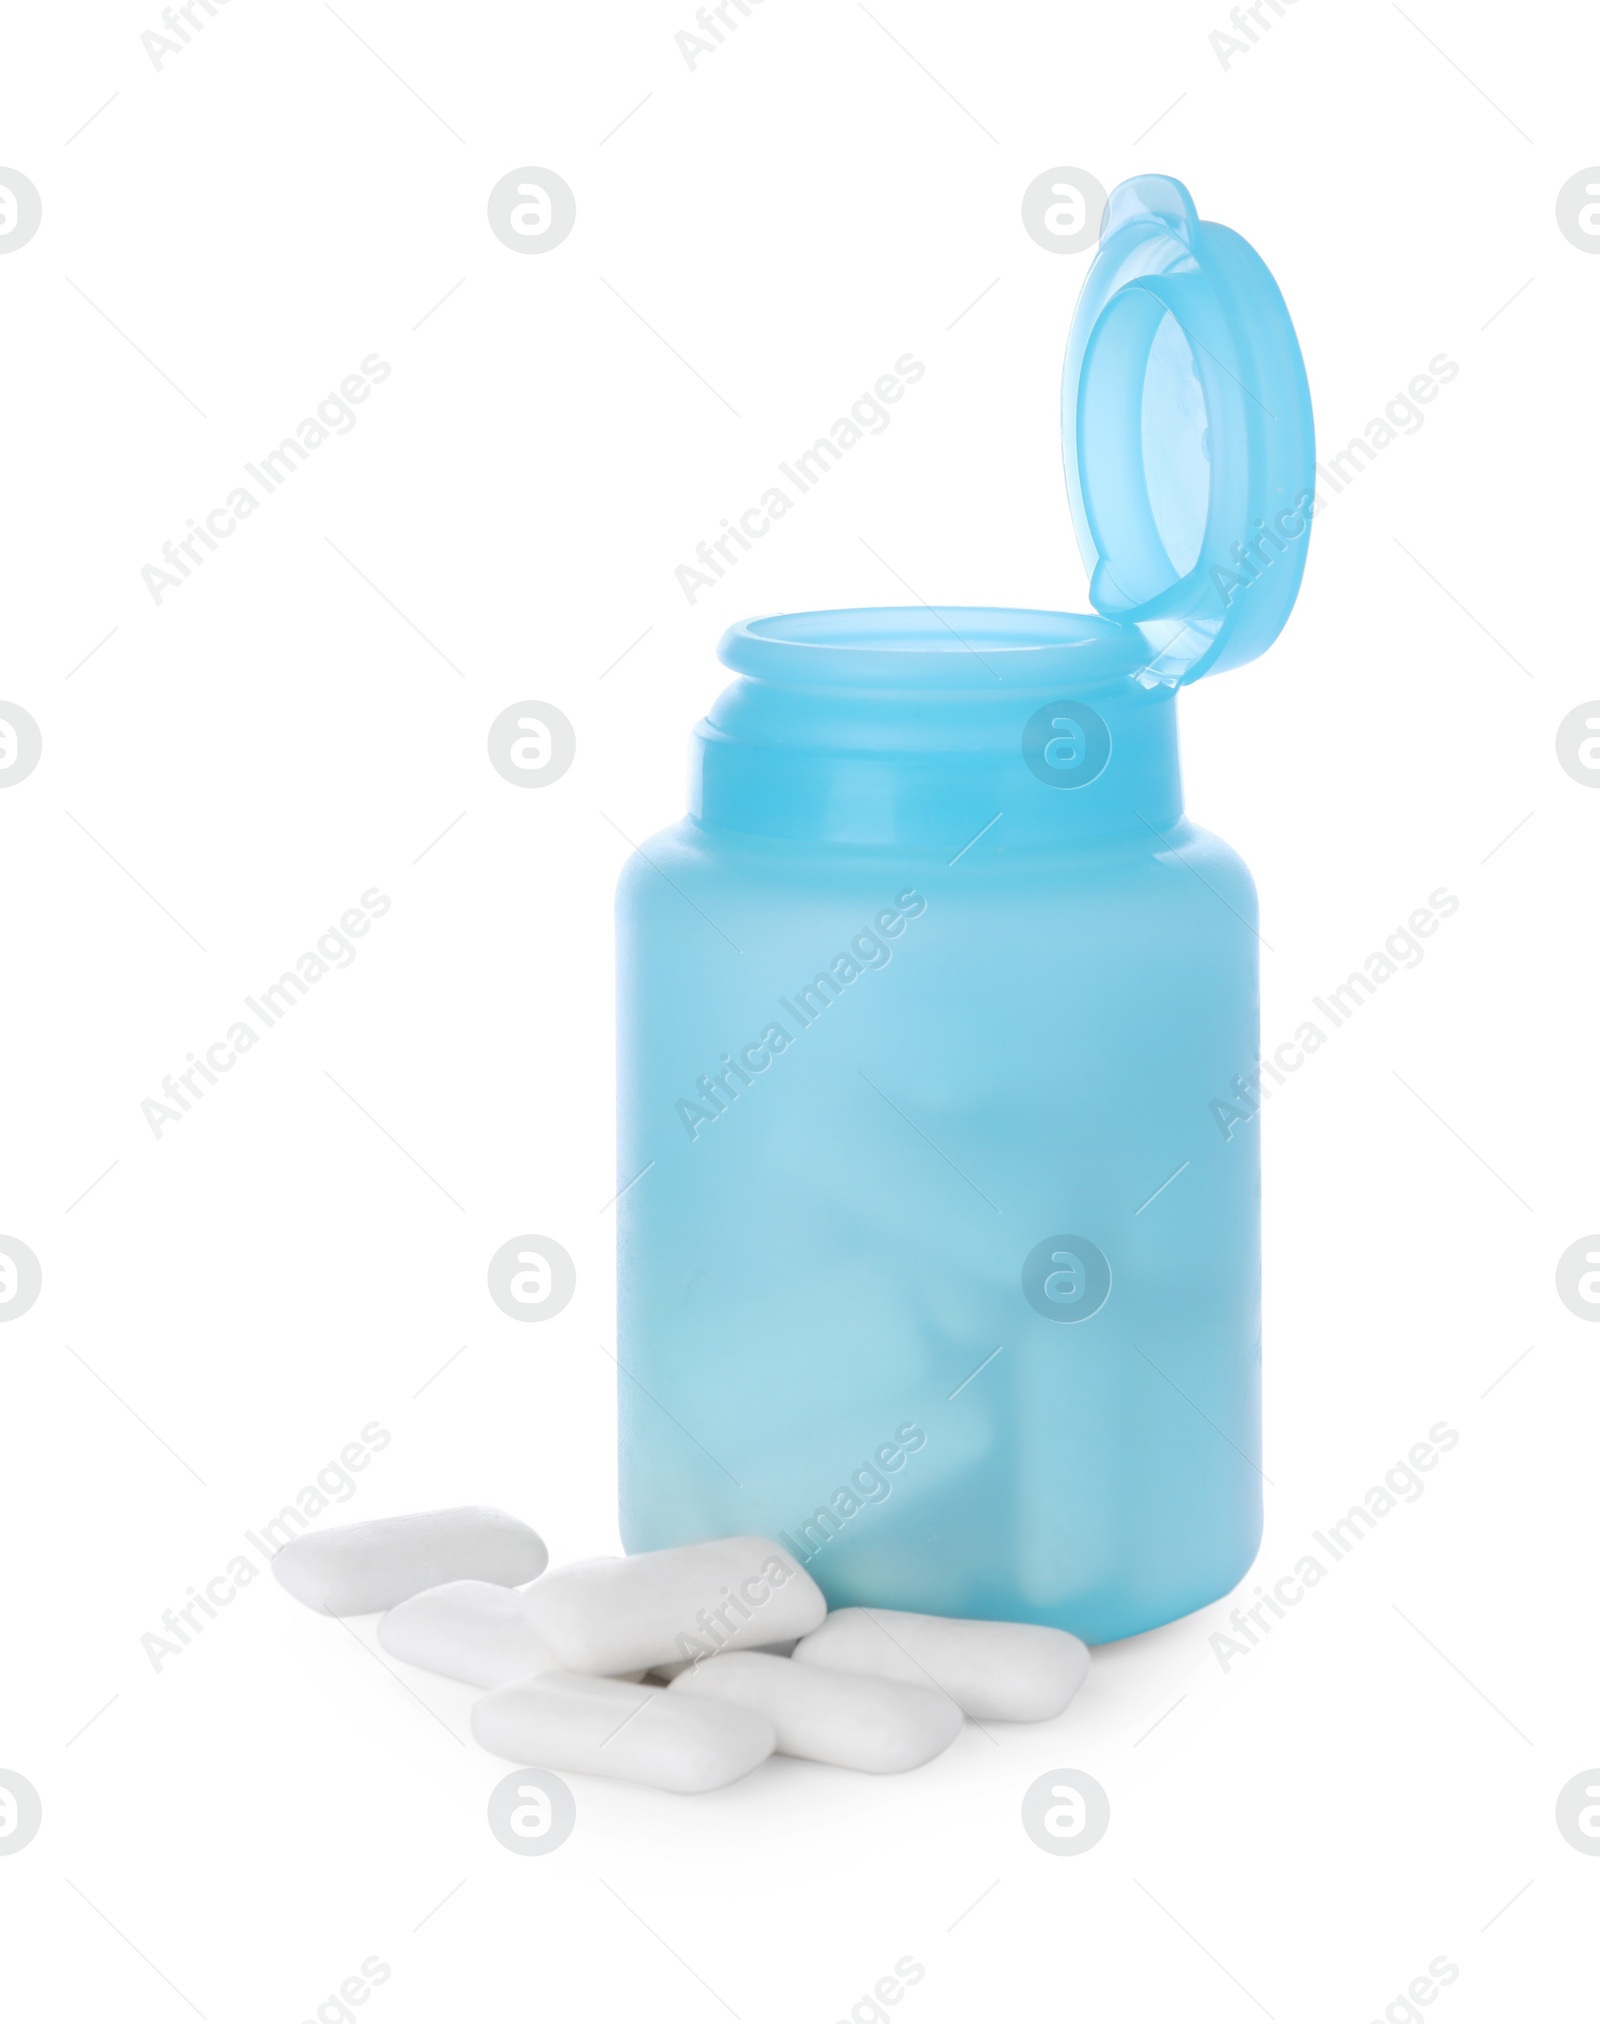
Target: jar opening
x: 943, y: 646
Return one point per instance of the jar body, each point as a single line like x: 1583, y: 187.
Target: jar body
x: 935, y: 1262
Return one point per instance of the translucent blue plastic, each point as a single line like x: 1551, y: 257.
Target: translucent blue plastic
x: 934, y: 1261
x: 1186, y: 433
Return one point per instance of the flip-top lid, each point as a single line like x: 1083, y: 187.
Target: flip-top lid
x: 1186, y: 431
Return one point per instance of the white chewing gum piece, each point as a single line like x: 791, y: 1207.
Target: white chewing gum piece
x: 849, y: 1719
x: 682, y: 1603
x: 783, y: 1648
x: 349, y: 1570
x: 611, y: 1729
x: 468, y: 1630
x: 998, y: 1672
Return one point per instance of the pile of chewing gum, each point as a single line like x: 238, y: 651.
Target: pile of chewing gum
x: 682, y: 1669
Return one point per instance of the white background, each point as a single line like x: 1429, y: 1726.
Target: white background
x: 228, y: 1305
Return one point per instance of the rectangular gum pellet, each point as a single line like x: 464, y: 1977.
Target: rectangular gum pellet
x: 681, y: 1603
x: 849, y: 1719
x: 611, y: 1729
x: 468, y: 1630
x: 349, y: 1570
x: 1003, y: 1672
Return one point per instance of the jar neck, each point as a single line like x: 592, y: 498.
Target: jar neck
x: 920, y: 747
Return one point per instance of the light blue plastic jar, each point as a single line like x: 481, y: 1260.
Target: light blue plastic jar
x: 934, y: 1262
